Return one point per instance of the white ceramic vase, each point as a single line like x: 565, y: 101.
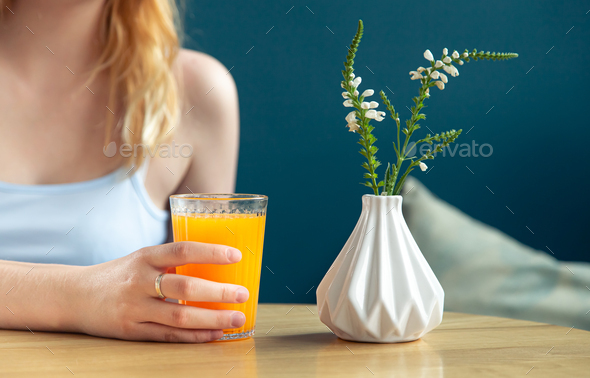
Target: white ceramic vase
x: 380, y: 287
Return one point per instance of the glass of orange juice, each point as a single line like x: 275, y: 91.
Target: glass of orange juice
x: 235, y: 220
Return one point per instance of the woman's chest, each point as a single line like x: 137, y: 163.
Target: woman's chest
x: 51, y: 136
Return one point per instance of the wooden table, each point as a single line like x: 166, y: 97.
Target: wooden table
x: 292, y: 342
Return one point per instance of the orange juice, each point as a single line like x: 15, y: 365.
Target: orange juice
x: 242, y: 231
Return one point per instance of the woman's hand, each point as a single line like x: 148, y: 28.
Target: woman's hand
x: 118, y: 299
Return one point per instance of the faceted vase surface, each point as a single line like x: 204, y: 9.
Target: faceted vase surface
x: 380, y: 287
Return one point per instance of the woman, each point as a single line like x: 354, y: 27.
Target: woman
x: 86, y: 88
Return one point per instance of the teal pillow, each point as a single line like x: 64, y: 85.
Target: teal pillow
x: 484, y: 271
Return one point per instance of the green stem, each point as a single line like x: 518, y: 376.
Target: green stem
x: 399, y: 160
x: 370, y: 155
x: 413, y: 120
x: 398, y: 188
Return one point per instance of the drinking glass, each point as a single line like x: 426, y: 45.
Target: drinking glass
x: 235, y: 220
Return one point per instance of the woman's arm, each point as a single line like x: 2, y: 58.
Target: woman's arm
x: 38, y: 296
x: 118, y: 298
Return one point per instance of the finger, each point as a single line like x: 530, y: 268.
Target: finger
x: 164, y: 333
x: 186, y: 252
x: 200, y: 290
x: 183, y: 316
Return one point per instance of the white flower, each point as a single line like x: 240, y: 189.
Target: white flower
x: 352, y: 75
x: 350, y: 83
x: 434, y: 75
x: 465, y: 55
x: 356, y: 93
x: 368, y: 92
x: 351, y: 117
x: 420, y: 69
x: 428, y: 55
x: 345, y: 94
x: 342, y: 85
x: 460, y: 62
x: 352, y: 126
x: 415, y: 75
x: 445, y: 52
x: 447, y: 69
x: 372, y: 114
x: 438, y: 64
x: 356, y: 82
x: 380, y: 116
x: 365, y: 105
x: 427, y: 90
x: 454, y: 71
x: 455, y: 55
x: 446, y: 60
x: 397, y: 119
x: 428, y: 70
x: 348, y: 104
x: 440, y: 84
x: 444, y: 78
x: 373, y: 104
x: 423, y: 166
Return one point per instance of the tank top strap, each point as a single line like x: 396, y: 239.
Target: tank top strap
x: 138, y: 182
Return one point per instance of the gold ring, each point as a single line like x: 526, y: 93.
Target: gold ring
x: 158, y: 288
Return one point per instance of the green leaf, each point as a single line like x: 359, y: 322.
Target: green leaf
x: 387, y: 176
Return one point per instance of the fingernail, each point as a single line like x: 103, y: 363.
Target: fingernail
x: 233, y: 254
x: 237, y: 319
x: 242, y: 295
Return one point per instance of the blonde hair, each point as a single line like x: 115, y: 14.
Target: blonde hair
x: 139, y: 46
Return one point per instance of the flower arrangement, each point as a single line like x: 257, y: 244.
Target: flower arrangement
x: 360, y: 118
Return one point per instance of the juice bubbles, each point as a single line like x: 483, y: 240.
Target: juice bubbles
x: 244, y: 231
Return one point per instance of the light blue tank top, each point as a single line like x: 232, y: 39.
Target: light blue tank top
x: 82, y: 223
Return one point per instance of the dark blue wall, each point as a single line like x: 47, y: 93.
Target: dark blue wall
x: 296, y: 149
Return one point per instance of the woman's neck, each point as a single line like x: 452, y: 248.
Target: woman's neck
x: 38, y: 37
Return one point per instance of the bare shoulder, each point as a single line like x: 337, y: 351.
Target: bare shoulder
x: 208, y: 88
x: 210, y: 122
